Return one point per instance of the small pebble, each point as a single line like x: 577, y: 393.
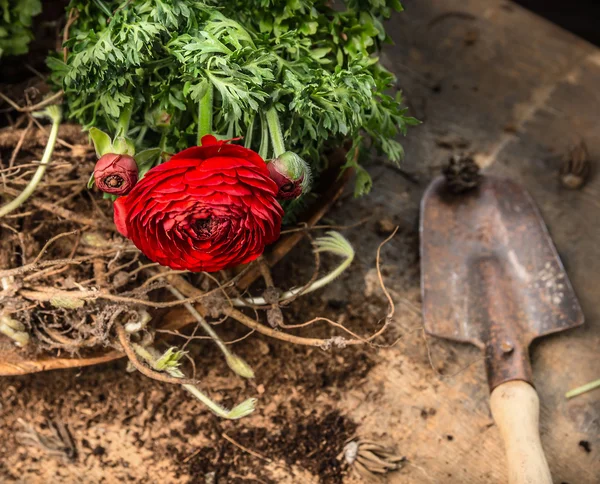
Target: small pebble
x: 385, y: 226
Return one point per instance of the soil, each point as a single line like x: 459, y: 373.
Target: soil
x: 126, y: 427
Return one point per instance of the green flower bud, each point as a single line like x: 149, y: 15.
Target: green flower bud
x: 292, y: 175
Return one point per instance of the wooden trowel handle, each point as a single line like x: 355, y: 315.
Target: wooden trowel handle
x: 515, y: 408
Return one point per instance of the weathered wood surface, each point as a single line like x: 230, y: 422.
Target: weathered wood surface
x: 520, y: 92
x: 486, y: 77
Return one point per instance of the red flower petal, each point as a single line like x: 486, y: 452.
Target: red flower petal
x: 120, y: 216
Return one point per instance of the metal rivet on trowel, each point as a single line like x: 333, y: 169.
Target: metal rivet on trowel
x: 507, y: 347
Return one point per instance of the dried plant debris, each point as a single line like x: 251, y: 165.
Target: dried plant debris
x: 58, y: 443
x: 462, y: 173
x: 576, y: 168
x: 371, y: 460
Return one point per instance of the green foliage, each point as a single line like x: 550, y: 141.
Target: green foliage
x: 156, y: 59
x: 15, y: 25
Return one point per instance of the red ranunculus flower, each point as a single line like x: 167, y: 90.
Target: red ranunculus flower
x: 208, y: 208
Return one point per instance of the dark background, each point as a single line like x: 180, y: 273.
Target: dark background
x: 582, y: 17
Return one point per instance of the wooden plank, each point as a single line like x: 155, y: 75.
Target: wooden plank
x: 519, y: 91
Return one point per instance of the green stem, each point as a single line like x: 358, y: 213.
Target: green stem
x: 275, y: 130
x: 263, y: 150
x: 318, y: 284
x: 249, y: 133
x: 239, y: 366
x: 140, y: 138
x: 124, y: 120
x: 162, y: 144
x: 55, y: 114
x: 241, y: 410
x: 205, y: 114
x: 333, y: 243
x: 588, y: 387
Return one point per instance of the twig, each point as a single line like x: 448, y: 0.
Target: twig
x: 247, y: 321
x: 194, y: 337
x: 49, y: 293
x: 245, y: 449
x: 15, y: 152
x: 271, y: 294
x: 73, y: 16
x: 290, y: 338
x: 99, y: 272
x: 50, y: 242
x: 56, y: 262
x: 14, y: 169
x: 35, y: 107
x: 160, y: 275
x: 60, y: 141
x: 379, y: 276
x: 50, y: 271
x: 192, y: 455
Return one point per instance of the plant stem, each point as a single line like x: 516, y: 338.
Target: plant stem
x: 124, y: 119
x: 234, y: 362
x: 263, y: 151
x: 140, y: 138
x: 588, y: 387
x: 241, y: 410
x: 318, y: 284
x: 249, y: 133
x: 275, y: 130
x: 55, y: 114
x: 205, y: 114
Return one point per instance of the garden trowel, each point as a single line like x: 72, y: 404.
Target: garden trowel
x: 491, y: 276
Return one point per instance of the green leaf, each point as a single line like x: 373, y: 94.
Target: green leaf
x: 169, y: 360
x: 146, y: 160
x: 317, y: 65
x: 146, y: 156
x: 102, y: 142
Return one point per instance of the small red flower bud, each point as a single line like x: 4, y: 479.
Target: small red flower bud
x: 116, y: 174
x: 292, y: 175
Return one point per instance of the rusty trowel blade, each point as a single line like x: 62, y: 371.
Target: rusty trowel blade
x: 490, y: 274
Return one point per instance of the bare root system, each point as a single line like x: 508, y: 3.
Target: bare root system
x: 74, y: 285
